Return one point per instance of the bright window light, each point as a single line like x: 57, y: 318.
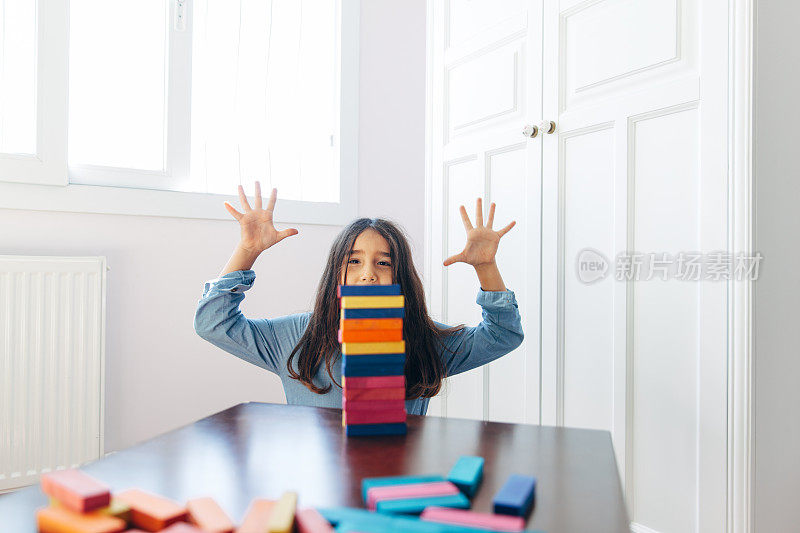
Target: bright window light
x: 264, y: 96
x: 117, y: 90
x: 18, y: 37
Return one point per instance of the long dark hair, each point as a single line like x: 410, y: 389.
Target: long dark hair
x: 319, y: 344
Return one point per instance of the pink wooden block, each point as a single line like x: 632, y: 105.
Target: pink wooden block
x: 372, y: 405
x: 310, y: 521
x: 460, y: 517
x: 379, y: 416
x: 372, y: 382
x: 412, y: 490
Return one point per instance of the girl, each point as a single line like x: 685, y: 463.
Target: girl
x: 303, y: 348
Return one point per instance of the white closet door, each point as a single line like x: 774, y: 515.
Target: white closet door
x: 638, y: 165
x: 485, y: 68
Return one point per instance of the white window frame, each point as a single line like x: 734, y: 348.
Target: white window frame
x: 52, y: 189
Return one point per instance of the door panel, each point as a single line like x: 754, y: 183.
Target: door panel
x: 485, y: 89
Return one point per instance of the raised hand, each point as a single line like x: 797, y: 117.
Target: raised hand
x: 482, y: 241
x: 258, y: 231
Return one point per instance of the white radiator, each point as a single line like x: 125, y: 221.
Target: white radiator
x: 52, y: 353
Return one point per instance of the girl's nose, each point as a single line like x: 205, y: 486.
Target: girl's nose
x: 368, y: 275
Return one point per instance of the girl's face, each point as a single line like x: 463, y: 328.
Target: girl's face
x: 369, y: 262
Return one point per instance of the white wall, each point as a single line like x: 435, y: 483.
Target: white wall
x: 159, y: 373
x: 777, y: 291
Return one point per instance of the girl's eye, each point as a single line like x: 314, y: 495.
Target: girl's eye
x: 352, y: 260
x: 384, y: 263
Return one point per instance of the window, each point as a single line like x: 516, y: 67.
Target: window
x: 179, y: 101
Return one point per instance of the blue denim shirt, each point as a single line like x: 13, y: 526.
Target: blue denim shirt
x: 267, y: 342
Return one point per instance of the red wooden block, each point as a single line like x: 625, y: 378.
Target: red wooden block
x: 383, y: 416
x: 257, y: 517
x: 310, y: 521
x: 358, y: 395
x: 372, y: 405
x: 76, y: 490
x: 360, y: 324
x: 151, y: 512
x: 206, y: 514
x: 374, y: 382
x: 63, y: 520
x: 460, y: 517
x: 370, y: 335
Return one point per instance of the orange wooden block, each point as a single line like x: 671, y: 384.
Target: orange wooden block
x: 151, y: 512
x: 310, y: 521
x: 63, y: 520
x: 370, y: 335
x: 360, y: 324
x: 206, y: 514
x: 257, y: 517
x: 76, y: 490
x: 182, y: 527
x: 393, y: 393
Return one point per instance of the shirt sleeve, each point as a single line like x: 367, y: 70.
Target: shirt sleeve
x: 499, y: 333
x: 262, y: 342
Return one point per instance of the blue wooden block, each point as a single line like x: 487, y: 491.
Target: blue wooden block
x: 381, y: 312
x: 467, y: 474
x: 369, y: 482
x: 397, y: 369
x: 378, y: 359
x: 368, y: 290
x: 417, y: 505
x: 516, y: 496
x: 359, y: 430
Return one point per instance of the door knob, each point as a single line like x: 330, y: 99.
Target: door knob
x: 547, y: 126
x: 530, y: 131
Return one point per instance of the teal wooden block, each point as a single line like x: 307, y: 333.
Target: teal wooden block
x: 369, y: 482
x: 467, y: 474
x: 349, y: 520
x: 417, y: 505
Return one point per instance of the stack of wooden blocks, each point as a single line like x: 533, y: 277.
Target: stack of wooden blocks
x: 373, y: 359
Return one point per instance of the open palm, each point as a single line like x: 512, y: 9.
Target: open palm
x: 258, y: 230
x: 482, y: 241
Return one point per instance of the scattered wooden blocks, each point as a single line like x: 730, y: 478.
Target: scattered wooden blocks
x: 206, y: 514
x: 460, y: 517
x: 182, y: 527
x: 257, y: 516
x: 310, y: 521
x: 417, y: 505
x: 151, y: 512
x: 63, y: 520
x: 372, y: 482
x: 412, y: 490
x: 76, y: 490
x: 467, y: 474
x: 282, y: 518
x: 516, y: 496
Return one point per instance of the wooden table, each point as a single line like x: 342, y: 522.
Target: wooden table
x: 260, y: 450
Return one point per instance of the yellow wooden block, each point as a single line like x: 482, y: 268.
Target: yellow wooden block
x: 360, y: 348
x: 282, y: 518
x: 372, y: 302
